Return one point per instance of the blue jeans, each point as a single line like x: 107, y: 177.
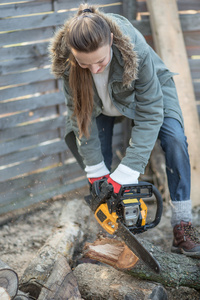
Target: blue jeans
x: 174, y: 145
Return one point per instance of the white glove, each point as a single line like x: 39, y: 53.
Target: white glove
x: 97, y: 170
x: 125, y: 175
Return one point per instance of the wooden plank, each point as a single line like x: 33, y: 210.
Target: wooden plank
x: 35, y: 50
x: 195, y: 68
x: 129, y: 9
x: 113, y: 9
x: 28, y: 90
x: 143, y: 26
x: 191, y: 51
x: 192, y: 42
x: 39, y: 187
x: 32, y: 35
x: 32, y: 103
x: 24, y: 143
x: 43, y: 176
x: 35, y: 21
x: 182, y: 5
x: 188, y: 5
x: 20, y: 65
x: 46, y: 195
x: 43, y: 20
x: 26, y: 77
x: 188, y: 23
x: 197, y: 89
x: 104, y: 4
x: 169, y: 45
x: 30, y: 129
x: 52, y: 148
x: 40, y: 49
x: 16, y: 1
x: 28, y: 166
x: 24, y: 8
x: 27, y: 117
x: 192, y: 39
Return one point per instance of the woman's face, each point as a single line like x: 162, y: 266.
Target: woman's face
x: 95, y: 61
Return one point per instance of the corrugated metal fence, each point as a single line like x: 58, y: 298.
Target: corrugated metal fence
x: 35, y: 163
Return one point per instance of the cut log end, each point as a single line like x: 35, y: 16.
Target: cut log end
x: 3, y: 294
x: 8, y: 280
x: 112, y: 252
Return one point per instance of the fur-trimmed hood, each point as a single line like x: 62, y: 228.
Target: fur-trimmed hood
x: 120, y: 27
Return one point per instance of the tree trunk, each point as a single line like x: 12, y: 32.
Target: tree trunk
x: 169, y: 44
x: 103, y: 282
x: 176, y: 270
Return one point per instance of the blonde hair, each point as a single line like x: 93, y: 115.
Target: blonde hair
x: 88, y: 30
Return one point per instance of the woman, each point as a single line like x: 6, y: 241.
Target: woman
x: 110, y: 71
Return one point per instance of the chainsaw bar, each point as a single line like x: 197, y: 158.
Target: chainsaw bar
x: 132, y: 242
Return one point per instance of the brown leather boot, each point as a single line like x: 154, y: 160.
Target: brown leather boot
x: 186, y: 240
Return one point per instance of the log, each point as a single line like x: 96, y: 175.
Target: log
x: 118, y: 254
x: 104, y: 282
x: 8, y: 280
x: 61, y: 284
x: 176, y: 270
x: 169, y: 44
x: 45, y: 271
x: 9, y: 284
x: 49, y: 274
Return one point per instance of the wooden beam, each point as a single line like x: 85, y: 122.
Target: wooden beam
x: 169, y: 44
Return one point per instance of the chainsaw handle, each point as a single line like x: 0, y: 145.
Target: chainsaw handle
x: 159, y: 202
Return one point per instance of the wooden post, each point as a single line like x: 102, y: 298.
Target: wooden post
x: 169, y: 44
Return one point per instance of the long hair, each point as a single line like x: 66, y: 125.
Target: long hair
x: 86, y: 32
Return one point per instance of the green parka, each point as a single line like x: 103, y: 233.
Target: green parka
x: 140, y: 99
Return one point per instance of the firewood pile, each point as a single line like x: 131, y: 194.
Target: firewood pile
x: 76, y: 262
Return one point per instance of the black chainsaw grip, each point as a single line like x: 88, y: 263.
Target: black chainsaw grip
x: 159, y: 210
x: 101, y: 191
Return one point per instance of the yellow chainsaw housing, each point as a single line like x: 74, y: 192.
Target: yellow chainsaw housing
x: 105, y: 219
x: 109, y: 221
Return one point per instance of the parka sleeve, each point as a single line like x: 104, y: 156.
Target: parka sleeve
x: 89, y: 148
x: 148, y: 115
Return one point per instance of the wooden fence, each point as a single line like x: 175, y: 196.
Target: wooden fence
x: 35, y: 163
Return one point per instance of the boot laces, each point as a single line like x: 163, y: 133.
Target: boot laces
x: 191, y: 232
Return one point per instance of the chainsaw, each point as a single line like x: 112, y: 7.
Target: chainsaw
x: 125, y: 214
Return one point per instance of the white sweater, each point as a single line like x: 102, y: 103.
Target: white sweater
x: 123, y: 174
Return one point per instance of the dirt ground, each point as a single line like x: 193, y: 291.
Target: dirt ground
x: 23, y: 233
